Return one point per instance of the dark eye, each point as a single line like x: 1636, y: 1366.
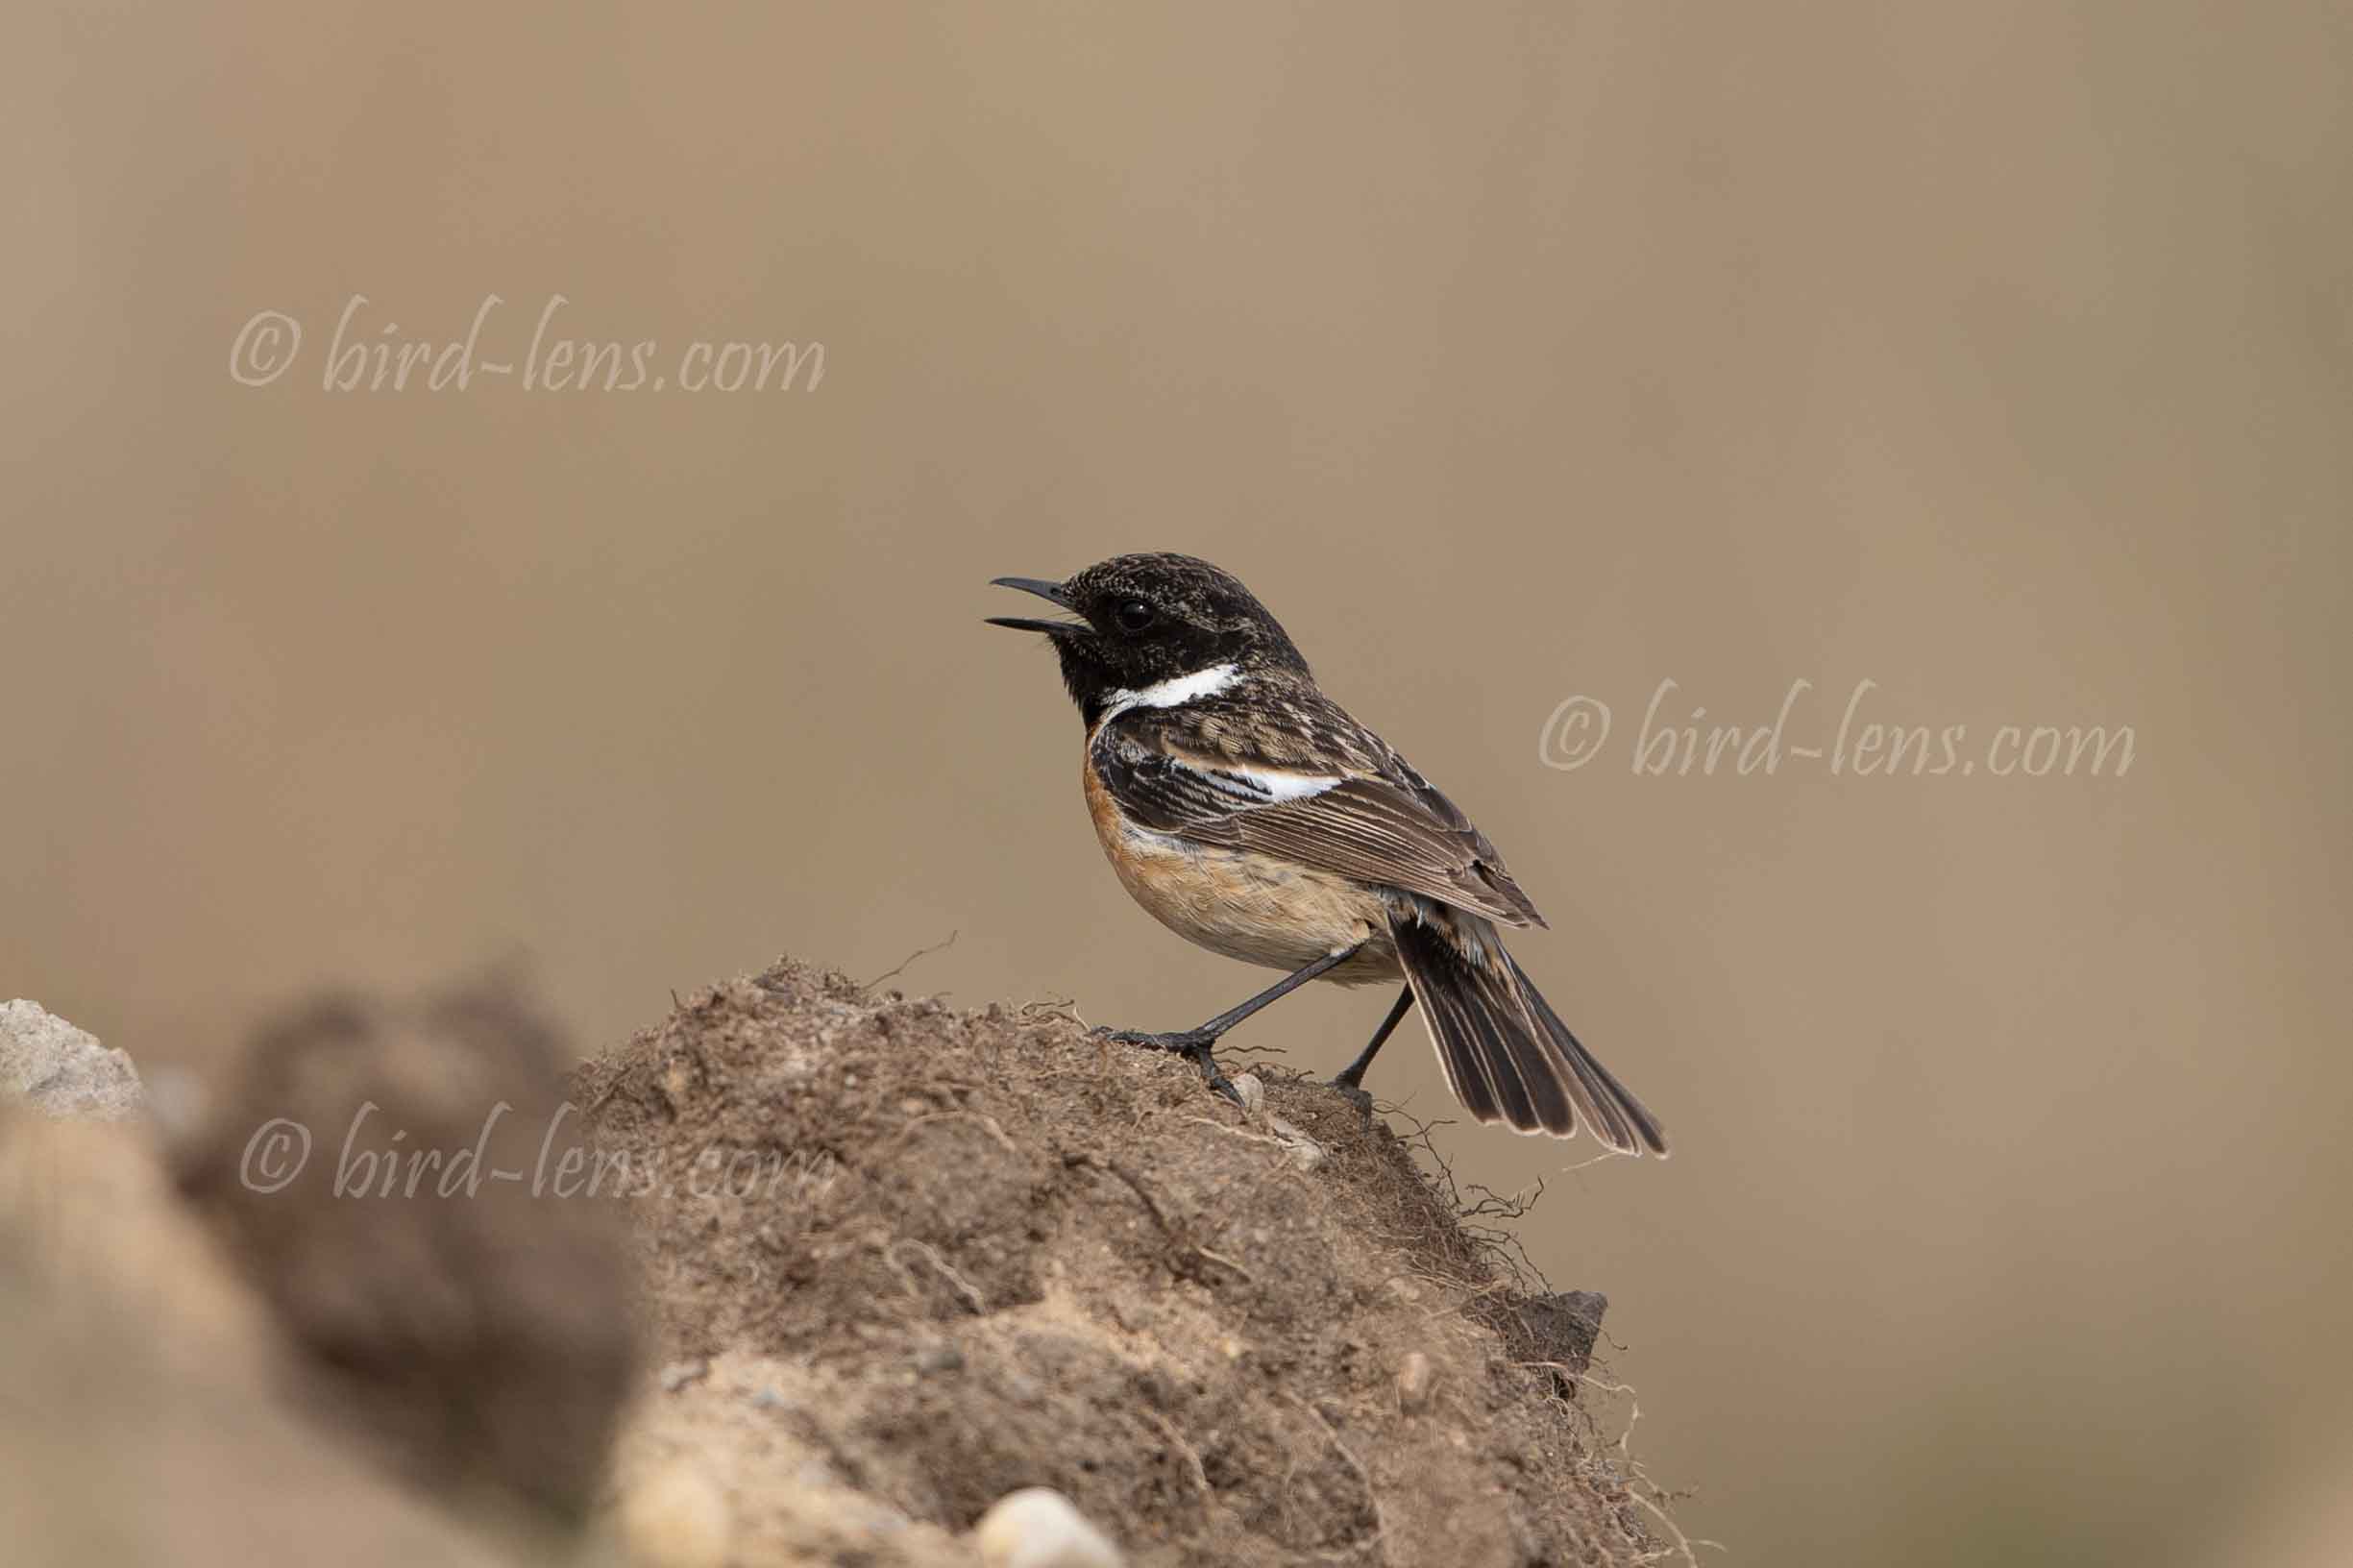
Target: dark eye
x: 1134, y: 614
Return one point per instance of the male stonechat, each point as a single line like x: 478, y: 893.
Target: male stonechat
x: 1248, y: 813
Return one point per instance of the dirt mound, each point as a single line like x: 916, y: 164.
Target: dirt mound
x: 903, y: 1259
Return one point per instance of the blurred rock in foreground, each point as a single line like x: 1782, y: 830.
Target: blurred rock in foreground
x: 62, y: 1071
x: 449, y: 1309
x: 140, y: 1423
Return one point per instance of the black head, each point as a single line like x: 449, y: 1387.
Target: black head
x: 1149, y: 619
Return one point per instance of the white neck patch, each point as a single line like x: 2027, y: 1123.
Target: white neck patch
x: 1172, y: 694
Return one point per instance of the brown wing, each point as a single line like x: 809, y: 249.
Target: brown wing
x: 1298, y: 779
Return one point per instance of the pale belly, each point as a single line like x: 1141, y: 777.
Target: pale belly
x: 1249, y: 907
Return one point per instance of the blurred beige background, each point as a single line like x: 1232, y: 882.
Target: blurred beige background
x: 1999, y: 355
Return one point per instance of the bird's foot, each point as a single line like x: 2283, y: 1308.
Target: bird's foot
x: 1195, y: 1045
x: 1349, y: 1089
x: 1194, y: 1042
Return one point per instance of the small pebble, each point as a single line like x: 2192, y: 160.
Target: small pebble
x: 1252, y: 1092
x: 1302, y: 1151
x: 1038, y: 1527
x: 677, y: 1519
x: 1415, y: 1379
x: 678, y: 1374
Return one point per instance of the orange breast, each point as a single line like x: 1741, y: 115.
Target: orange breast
x: 1244, y: 905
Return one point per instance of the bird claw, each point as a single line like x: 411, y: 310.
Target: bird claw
x: 1183, y: 1041
x: 1195, y: 1045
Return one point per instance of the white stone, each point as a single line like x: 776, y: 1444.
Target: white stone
x: 1302, y: 1151
x: 1415, y: 1380
x: 1038, y: 1527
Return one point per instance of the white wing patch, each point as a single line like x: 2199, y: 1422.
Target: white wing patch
x: 1285, y: 786
x: 1258, y: 786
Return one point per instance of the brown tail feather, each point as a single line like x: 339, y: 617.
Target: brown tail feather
x: 1507, y: 1055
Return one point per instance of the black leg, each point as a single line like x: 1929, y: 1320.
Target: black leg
x: 1199, y: 1044
x: 1352, y: 1076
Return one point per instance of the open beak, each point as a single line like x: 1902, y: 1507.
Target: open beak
x: 1048, y: 591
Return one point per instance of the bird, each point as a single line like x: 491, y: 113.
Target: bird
x: 1250, y: 814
